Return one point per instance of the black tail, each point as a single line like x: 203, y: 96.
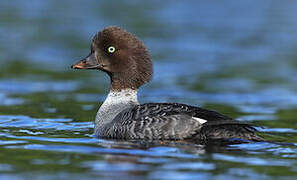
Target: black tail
x: 230, y: 129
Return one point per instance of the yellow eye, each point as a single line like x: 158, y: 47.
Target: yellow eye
x: 111, y: 49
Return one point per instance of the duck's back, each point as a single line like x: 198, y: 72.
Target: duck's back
x: 174, y: 121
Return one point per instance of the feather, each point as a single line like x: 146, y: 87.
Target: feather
x: 173, y: 121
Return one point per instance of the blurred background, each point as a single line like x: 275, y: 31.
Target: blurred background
x: 237, y: 57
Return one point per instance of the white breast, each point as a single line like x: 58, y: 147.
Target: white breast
x: 115, y: 102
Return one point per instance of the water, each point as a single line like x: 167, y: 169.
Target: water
x: 236, y: 57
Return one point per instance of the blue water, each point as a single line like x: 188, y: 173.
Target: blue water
x: 237, y: 57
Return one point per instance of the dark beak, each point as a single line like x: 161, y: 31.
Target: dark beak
x: 89, y: 62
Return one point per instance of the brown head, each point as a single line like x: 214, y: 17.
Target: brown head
x: 122, y: 56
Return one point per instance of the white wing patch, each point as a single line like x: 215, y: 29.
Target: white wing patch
x: 201, y: 121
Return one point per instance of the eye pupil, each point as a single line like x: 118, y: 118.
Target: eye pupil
x: 111, y: 49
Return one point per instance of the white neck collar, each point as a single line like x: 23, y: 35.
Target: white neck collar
x: 115, y: 102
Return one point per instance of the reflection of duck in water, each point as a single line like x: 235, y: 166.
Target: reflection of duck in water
x: 127, y: 62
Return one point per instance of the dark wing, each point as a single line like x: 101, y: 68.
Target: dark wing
x: 175, y: 121
x: 168, y: 109
x: 229, y: 129
x: 172, y: 127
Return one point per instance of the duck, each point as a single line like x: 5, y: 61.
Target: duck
x: 127, y: 62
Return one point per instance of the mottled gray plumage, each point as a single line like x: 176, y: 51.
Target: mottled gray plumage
x: 173, y: 121
x: 129, y: 66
